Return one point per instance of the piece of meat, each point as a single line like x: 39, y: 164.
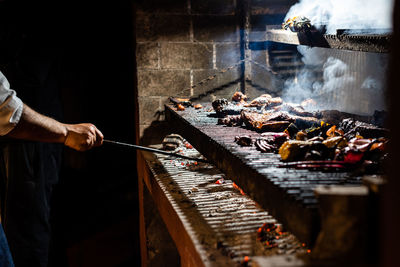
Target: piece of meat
x: 172, y: 142
x: 271, y: 122
x: 243, y: 140
x: 198, y: 106
x: 263, y: 145
x: 270, y: 141
x: 231, y: 120
x: 182, y: 101
x: 334, y: 117
x: 294, y: 109
x: 305, y: 122
x: 352, y: 128
x: 219, y: 104
x: 265, y: 100
x: 262, y: 100
x: 239, y: 97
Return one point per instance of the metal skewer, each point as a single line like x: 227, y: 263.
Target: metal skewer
x: 154, y: 150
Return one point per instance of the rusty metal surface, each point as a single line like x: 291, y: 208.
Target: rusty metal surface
x: 286, y: 193
x: 378, y: 43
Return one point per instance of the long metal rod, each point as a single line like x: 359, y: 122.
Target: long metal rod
x: 154, y: 150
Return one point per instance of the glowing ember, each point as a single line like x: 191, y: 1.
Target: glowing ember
x: 220, y: 181
x: 188, y: 146
x: 238, y: 188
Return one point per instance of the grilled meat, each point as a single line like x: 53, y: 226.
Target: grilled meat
x: 272, y: 122
x: 293, y: 109
x: 231, y: 120
x: 239, y: 97
x: 265, y: 100
x: 263, y: 145
x: 270, y: 141
x: 335, y: 117
x: 243, y: 140
x: 180, y: 101
x: 219, y: 104
x: 172, y: 142
x: 352, y: 128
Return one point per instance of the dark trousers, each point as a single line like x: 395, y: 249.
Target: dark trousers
x: 5, y: 255
x: 31, y: 172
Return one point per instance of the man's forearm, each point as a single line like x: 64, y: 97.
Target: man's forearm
x: 37, y: 127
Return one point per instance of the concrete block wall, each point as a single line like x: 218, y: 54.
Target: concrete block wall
x: 180, y: 43
x: 263, y: 15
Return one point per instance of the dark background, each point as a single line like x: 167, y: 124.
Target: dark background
x: 94, y: 209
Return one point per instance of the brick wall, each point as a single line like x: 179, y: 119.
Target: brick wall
x: 180, y: 42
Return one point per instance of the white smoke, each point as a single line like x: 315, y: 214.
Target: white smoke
x: 349, y: 81
x: 345, y: 14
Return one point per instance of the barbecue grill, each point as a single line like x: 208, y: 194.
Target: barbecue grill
x: 302, y: 199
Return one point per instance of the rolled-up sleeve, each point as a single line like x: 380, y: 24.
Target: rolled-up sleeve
x: 10, y: 107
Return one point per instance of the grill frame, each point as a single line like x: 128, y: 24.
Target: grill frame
x: 286, y: 193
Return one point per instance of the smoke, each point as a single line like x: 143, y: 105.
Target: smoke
x: 349, y: 81
x: 345, y: 14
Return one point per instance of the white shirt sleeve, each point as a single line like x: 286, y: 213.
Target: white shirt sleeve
x: 10, y: 107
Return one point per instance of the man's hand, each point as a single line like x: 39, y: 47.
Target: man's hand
x: 83, y: 136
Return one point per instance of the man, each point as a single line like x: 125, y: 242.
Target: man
x: 19, y: 121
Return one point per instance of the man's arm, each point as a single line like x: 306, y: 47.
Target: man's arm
x: 37, y: 127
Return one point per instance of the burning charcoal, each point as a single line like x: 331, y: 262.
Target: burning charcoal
x: 219, y: 104
x: 239, y: 97
x: 244, y: 140
x: 198, y: 106
x: 231, y: 120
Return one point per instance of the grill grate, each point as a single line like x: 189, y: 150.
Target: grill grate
x: 287, y: 193
x: 224, y: 220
